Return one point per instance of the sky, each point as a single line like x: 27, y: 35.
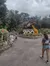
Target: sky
x: 32, y: 7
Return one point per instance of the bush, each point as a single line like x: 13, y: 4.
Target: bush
x: 45, y: 31
x: 3, y: 34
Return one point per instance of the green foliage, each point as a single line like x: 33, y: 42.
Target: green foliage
x: 5, y: 37
x: 3, y: 34
x: 0, y: 36
x: 12, y: 19
x: 45, y: 22
x: 24, y: 17
x: 42, y: 30
x: 2, y: 1
x: 3, y: 10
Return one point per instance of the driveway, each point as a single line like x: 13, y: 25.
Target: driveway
x: 24, y: 52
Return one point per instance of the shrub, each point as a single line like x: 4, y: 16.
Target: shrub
x: 3, y: 34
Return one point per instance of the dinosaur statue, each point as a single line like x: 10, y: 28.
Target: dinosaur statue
x: 35, y: 30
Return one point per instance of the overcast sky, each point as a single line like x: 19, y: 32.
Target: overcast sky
x: 33, y: 7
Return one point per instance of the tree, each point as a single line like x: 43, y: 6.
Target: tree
x: 17, y: 17
x: 24, y: 17
x: 45, y: 22
x: 13, y: 19
x: 3, y: 10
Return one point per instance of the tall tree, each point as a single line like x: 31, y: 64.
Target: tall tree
x: 12, y: 19
x: 3, y: 10
x: 24, y: 17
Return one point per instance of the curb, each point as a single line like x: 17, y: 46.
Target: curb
x: 33, y: 37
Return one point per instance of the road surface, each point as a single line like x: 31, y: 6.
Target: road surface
x: 25, y: 52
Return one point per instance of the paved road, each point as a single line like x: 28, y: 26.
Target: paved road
x: 25, y: 52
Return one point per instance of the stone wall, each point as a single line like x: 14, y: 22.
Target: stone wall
x: 6, y: 40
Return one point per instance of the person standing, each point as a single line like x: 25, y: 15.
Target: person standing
x: 45, y: 47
